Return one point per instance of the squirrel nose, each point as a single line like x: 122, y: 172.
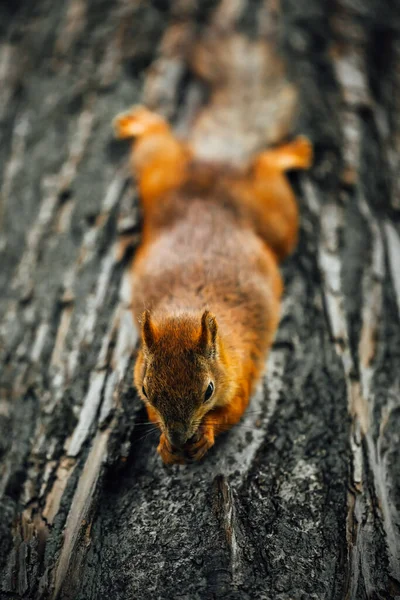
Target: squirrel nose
x: 177, y: 434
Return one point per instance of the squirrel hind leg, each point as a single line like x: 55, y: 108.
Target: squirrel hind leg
x: 158, y: 158
x: 297, y: 154
x: 138, y: 121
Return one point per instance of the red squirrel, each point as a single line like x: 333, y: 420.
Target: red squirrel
x: 206, y: 286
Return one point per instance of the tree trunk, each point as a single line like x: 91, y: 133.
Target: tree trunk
x: 302, y: 498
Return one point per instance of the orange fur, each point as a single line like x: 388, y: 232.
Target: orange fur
x: 205, y: 279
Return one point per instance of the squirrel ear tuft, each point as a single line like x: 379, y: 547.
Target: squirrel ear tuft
x: 148, y: 336
x: 208, y: 334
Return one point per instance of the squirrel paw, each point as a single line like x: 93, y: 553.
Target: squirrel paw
x: 199, y: 448
x: 297, y: 154
x: 137, y: 121
x: 167, y: 453
x: 303, y: 152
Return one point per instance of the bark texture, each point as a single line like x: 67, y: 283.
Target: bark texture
x: 302, y: 499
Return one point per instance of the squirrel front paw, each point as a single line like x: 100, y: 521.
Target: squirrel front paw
x: 168, y: 454
x: 197, y: 450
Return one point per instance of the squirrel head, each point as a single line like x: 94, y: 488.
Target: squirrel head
x: 179, y: 371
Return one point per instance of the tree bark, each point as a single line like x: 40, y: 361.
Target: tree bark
x: 302, y: 498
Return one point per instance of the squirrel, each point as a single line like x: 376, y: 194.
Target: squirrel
x: 206, y: 285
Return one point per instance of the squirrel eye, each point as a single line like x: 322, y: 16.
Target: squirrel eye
x: 209, y: 391
x: 144, y: 391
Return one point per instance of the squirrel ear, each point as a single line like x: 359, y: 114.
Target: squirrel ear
x: 148, y: 336
x: 208, y: 334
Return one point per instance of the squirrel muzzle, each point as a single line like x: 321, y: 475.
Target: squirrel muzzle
x: 178, y: 434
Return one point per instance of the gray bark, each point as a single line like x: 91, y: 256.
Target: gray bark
x: 300, y: 500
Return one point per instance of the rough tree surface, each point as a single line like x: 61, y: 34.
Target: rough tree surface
x: 302, y: 499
